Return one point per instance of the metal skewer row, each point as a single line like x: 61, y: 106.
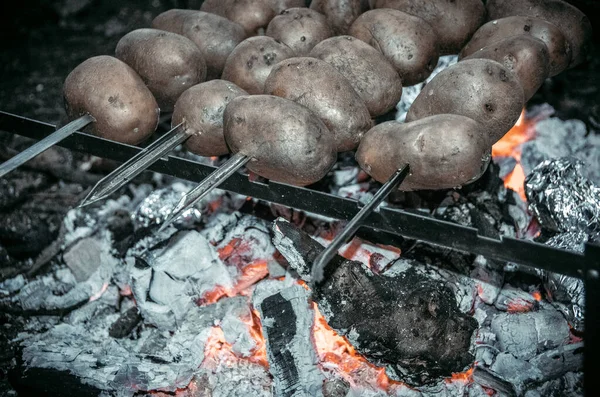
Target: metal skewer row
x: 386, y: 220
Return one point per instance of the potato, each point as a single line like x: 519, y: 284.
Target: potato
x: 370, y: 74
x: 318, y: 86
x: 454, y: 22
x: 111, y: 91
x: 281, y: 5
x: 215, y: 36
x: 340, y: 13
x: 444, y: 151
x: 300, y: 29
x: 200, y: 109
x: 252, y: 15
x: 573, y: 23
x: 480, y: 89
x: 167, y: 62
x: 287, y: 142
x: 559, y: 50
x: 252, y: 60
x: 408, y: 42
x: 525, y: 56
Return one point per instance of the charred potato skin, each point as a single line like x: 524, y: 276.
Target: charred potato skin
x: 340, y: 13
x: 316, y: 85
x: 167, y: 62
x: 454, y: 22
x: 215, y: 36
x: 287, y: 142
x: 525, y: 56
x: 111, y: 91
x: 444, y: 151
x: 300, y: 29
x: 200, y: 109
x: 574, y: 24
x: 408, y: 42
x: 480, y: 89
x: 250, y: 63
x: 371, y: 75
x: 559, y: 50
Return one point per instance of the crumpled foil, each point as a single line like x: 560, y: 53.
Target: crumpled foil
x: 566, y: 202
x: 155, y: 208
x: 562, y: 199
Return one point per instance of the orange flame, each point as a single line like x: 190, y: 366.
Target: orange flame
x: 537, y: 295
x: 510, y: 146
x: 466, y: 376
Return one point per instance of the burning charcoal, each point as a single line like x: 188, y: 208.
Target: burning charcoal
x: 287, y: 329
x: 490, y: 380
x: 86, y: 255
x: 335, y: 388
x: 569, y: 385
x: 175, y: 277
x: 522, y: 334
x: 408, y: 323
x: 562, y: 199
x: 515, y: 300
x: 410, y: 93
x: 556, y: 362
x: 515, y: 370
x: 488, y: 279
x: 125, y: 324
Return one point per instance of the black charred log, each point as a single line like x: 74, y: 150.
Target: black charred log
x: 408, y: 323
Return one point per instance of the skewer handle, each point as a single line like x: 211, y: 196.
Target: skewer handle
x: 234, y: 163
x: 136, y: 165
x: 355, y: 223
x: 45, y: 144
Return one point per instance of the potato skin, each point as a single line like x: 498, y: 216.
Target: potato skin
x: 201, y: 109
x: 525, y: 56
x: 318, y: 86
x: 250, y: 14
x: 571, y: 21
x: 559, y: 50
x: 287, y: 141
x: 111, y: 91
x: 370, y: 74
x: 215, y: 36
x: 408, y: 42
x: 340, y: 13
x: 167, y: 62
x: 251, y: 61
x: 444, y: 151
x: 480, y: 89
x: 280, y: 5
x: 454, y: 21
x: 300, y: 29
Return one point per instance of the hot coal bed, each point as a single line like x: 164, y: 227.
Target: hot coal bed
x: 433, y: 299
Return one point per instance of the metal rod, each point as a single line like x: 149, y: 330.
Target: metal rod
x: 591, y: 343
x: 45, y: 144
x: 236, y: 162
x: 355, y: 223
x: 136, y: 165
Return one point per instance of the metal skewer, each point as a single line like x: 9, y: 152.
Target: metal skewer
x: 354, y: 224
x: 136, y: 165
x: 236, y: 162
x: 45, y: 144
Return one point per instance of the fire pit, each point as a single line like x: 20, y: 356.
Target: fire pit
x: 490, y: 289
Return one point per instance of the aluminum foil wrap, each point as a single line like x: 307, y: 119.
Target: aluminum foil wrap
x: 155, y: 208
x: 562, y: 199
x: 566, y: 202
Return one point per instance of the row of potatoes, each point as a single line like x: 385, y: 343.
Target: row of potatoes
x: 291, y: 86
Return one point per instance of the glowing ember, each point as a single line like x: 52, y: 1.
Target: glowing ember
x: 465, y: 377
x: 537, y: 295
x: 98, y: 294
x: 510, y: 146
x: 519, y: 306
x: 250, y: 275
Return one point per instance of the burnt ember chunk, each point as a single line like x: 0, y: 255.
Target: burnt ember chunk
x: 407, y: 323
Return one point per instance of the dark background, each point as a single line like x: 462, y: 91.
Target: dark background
x: 41, y: 41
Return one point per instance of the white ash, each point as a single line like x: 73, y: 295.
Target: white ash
x: 515, y: 299
x: 87, y: 254
x: 287, y: 249
x: 12, y: 285
x: 306, y: 379
x: 409, y: 94
x: 241, y: 379
x: 569, y: 385
x: 526, y: 334
x: 178, y: 275
x: 488, y: 277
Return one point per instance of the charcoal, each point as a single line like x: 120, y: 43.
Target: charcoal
x: 515, y: 370
x: 335, y: 388
x: 523, y: 334
x: 490, y: 380
x: 19, y: 185
x: 84, y: 257
x: 24, y: 234
x: 515, y: 300
x: 287, y: 324
x: 424, y: 337
x: 569, y: 385
x: 125, y: 324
